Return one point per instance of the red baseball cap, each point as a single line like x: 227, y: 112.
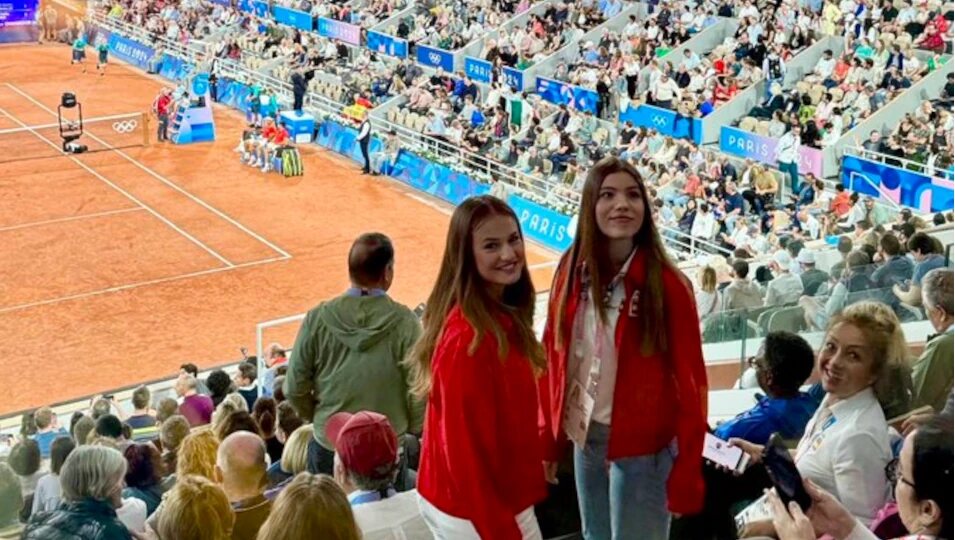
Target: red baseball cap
x: 365, y: 442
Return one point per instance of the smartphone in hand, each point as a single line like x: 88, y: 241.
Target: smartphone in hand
x: 784, y: 474
x: 724, y: 454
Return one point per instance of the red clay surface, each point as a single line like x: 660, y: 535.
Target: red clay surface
x: 119, y: 273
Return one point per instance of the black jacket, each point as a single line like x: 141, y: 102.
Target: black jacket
x: 88, y: 519
x: 299, y: 84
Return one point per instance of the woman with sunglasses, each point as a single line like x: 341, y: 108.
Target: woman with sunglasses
x: 923, y: 490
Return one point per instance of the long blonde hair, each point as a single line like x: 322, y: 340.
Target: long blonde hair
x: 459, y: 284
x: 196, y: 509
x: 885, y: 339
x: 197, y: 454
x: 311, y: 506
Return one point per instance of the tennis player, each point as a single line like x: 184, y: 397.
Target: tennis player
x: 103, y: 50
x: 79, y: 52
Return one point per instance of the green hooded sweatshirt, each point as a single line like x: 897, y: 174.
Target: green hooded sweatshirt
x: 347, y: 358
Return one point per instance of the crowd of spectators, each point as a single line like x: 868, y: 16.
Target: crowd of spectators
x: 452, y: 25
x: 885, y: 51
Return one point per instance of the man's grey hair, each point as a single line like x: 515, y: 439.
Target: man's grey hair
x: 938, y: 290
x: 92, y: 472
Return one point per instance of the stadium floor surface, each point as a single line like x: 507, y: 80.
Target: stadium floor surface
x: 118, y: 266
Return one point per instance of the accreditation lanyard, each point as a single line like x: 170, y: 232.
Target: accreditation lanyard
x: 815, y: 433
x: 588, y: 356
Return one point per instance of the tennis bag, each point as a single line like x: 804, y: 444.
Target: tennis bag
x: 291, y: 162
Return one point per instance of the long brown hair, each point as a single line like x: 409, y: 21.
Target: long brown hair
x: 311, y: 506
x: 460, y: 284
x: 591, y: 247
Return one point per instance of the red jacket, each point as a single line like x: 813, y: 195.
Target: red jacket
x: 656, y: 398
x: 480, y: 457
x: 162, y: 104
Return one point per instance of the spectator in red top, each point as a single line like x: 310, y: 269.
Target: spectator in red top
x: 840, y: 204
x: 480, y: 473
x: 619, y: 316
x: 162, y: 108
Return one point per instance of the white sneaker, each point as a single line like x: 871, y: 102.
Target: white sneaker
x: 240, y: 148
x: 265, y: 168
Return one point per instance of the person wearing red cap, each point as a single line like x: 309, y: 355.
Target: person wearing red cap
x: 366, y: 465
x: 480, y: 473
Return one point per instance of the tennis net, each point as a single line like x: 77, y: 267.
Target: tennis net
x: 100, y: 134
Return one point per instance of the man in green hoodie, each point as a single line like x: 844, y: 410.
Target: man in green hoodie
x: 348, y: 353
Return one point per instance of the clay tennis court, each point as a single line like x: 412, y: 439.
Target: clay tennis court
x: 119, y: 265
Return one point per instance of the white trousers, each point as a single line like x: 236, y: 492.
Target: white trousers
x: 447, y: 527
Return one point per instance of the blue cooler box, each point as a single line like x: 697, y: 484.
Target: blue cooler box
x: 300, y: 126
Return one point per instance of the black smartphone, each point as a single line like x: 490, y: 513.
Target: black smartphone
x: 784, y: 474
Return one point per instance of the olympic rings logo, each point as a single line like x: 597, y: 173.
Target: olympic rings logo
x: 435, y: 58
x: 125, y: 126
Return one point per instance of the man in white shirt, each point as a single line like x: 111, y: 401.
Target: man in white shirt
x: 785, y: 288
x: 366, y: 465
x: 787, y: 156
x: 825, y: 66
x: 690, y: 59
x: 703, y: 223
x: 665, y: 91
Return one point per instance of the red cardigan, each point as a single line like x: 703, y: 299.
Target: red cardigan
x: 657, y: 398
x: 481, y: 457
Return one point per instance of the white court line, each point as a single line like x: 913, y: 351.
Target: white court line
x: 71, y: 218
x: 138, y: 284
x: 129, y: 196
x: 164, y: 180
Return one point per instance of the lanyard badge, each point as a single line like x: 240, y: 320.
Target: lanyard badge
x: 634, y: 304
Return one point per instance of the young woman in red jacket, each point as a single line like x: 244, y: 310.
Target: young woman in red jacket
x: 477, y: 362
x: 625, y: 380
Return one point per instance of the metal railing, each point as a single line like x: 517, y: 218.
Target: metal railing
x: 901, y: 163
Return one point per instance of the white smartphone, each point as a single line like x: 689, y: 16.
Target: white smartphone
x: 723, y: 453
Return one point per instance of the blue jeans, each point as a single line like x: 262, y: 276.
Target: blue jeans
x: 622, y: 499
x: 792, y: 169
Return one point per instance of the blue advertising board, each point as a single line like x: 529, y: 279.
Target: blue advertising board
x: 232, y: 93
x: 342, y: 139
x: 514, y: 78
x: 385, y: 44
x: 13, y: 12
x: 174, y: 68
x: 255, y: 6
x: 665, y: 121
x: 435, y: 179
x: 293, y: 18
x: 479, y: 70
x: 921, y: 192
x: 435, y: 57
x: 130, y: 51
x: 542, y: 224
x: 563, y: 93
